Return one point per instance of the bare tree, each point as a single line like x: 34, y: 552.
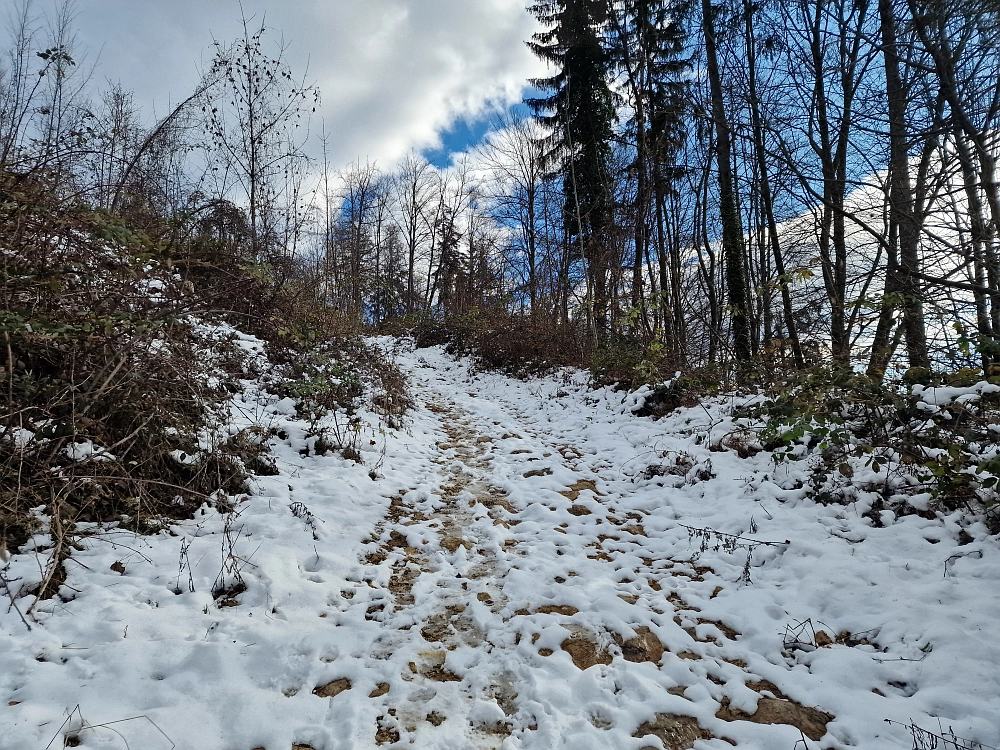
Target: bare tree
x: 258, y: 123
x: 413, y: 188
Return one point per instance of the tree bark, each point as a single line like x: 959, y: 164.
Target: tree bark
x: 732, y: 229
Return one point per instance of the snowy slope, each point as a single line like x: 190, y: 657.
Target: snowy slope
x: 534, y: 567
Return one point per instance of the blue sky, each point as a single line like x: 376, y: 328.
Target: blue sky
x: 463, y: 134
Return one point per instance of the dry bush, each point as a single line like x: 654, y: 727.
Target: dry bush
x: 109, y: 389
x: 518, y: 345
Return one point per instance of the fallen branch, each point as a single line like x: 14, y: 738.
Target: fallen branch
x: 927, y: 740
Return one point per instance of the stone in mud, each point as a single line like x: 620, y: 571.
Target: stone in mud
x: 675, y: 732
x: 333, y: 689
x: 810, y: 721
x: 433, y: 668
x: 397, y: 540
x: 385, y: 734
x: 440, y: 674
x: 437, y: 629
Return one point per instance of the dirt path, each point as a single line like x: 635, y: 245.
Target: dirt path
x: 483, y: 534
x: 526, y: 566
x: 469, y: 577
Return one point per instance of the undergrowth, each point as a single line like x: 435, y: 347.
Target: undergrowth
x: 116, y: 382
x: 906, y: 446
x: 516, y: 345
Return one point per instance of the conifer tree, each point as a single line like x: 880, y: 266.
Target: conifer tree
x: 579, y: 113
x: 648, y: 49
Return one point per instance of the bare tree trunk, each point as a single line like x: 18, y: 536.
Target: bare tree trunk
x: 984, y: 253
x: 732, y: 230
x: 901, y: 195
x: 767, y: 202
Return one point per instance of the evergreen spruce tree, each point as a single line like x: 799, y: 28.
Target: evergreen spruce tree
x: 648, y: 47
x: 579, y: 113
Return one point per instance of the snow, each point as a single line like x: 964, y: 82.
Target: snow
x: 86, y: 450
x: 943, y: 395
x: 506, y: 518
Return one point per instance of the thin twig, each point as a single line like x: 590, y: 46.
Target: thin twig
x: 13, y: 603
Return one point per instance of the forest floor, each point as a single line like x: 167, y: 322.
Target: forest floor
x: 532, y: 566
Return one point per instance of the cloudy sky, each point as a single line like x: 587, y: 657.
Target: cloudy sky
x: 395, y: 75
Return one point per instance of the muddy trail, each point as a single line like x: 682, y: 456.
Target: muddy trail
x: 512, y: 629
x: 471, y: 577
x: 518, y: 565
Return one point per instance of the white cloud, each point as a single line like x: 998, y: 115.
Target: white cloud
x: 393, y: 73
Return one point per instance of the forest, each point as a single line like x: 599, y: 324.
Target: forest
x: 799, y: 197
x: 749, y: 186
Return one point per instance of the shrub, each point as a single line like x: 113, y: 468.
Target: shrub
x: 108, y: 384
x: 905, y: 442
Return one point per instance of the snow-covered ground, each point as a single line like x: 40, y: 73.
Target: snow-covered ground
x: 532, y: 567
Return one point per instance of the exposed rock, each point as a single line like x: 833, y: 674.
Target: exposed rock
x: 556, y: 609
x: 644, y: 647
x: 584, y: 652
x: 577, y: 487
x: 333, y: 689
x: 675, y: 732
x: 762, y: 686
x: 810, y: 721
x: 727, y: 631
x: 381, y: 689
x: 452, y: 543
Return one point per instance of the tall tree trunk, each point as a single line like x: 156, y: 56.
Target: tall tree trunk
x: 767, y: 202
x: 984, y: 254
x: 936, y: 41
x: 732, y: 229
x: 901, y: 195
